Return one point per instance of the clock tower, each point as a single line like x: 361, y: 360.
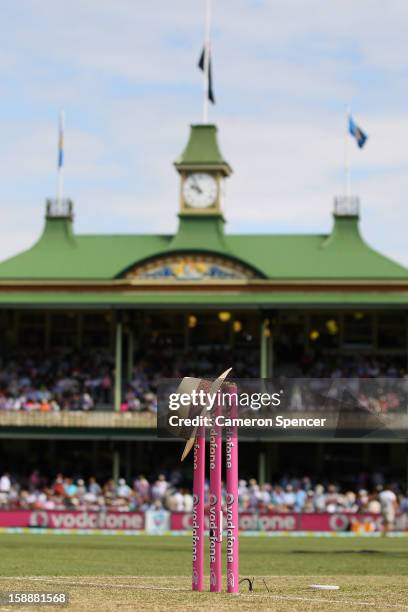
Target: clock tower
x: 202, y: 170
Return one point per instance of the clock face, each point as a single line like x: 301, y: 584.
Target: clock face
x: 200, y: 190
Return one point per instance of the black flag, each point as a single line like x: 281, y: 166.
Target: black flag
x: 201, y: 64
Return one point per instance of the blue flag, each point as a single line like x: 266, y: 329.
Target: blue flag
x: 357, y: 133
x: 61, y: 140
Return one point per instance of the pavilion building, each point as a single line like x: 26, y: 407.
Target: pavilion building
x: 273, y: 296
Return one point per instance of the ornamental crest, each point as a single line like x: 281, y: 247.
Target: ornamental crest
x: 190, y: 268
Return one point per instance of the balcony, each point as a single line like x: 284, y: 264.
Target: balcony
x: 83, y: 420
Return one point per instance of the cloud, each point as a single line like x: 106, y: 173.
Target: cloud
x: 127, y: 75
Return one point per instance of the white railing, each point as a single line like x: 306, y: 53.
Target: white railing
x: 61, y: 208
x: 78, y: 419
x: 347, y: 206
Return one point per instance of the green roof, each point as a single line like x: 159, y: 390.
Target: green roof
x: 202, y: 149
x: 342, y: 255
x: 61, y: 255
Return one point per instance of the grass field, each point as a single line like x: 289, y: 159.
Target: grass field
x: 153, y: 572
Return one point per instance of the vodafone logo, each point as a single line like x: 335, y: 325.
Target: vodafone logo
x: 268, y: 522
x: 180, y: 521
x: 38, y: 519
x: 339, y: 522
x: 277, y: 523
x: 185, y: 521
x: 342, y: 522
x: 230, y: 578
x: 87, y: 520
x: 230, y: 499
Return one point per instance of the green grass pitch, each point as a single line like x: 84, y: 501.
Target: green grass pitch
x: 153, y: 572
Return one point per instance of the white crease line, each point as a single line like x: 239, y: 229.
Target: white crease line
x: 188, y: 576
x: 101, y: 584
x: 154, y: 588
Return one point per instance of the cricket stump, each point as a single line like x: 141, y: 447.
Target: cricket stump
x: 198, y: 511
x: 231, y: 456
x: 215, y: 510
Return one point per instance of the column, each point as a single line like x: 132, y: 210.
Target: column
x: 118, y: 365
x: 261, y: 467
x: 265, y: 350
x: 273, y: 454
x: 270, y: 354
x: 131, y: 348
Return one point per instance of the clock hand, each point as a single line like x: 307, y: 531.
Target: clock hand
x: 196, y: 186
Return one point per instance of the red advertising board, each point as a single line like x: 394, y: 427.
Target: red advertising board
x: 179, y: 521
x: 339, y: 521
x: 63, y: 519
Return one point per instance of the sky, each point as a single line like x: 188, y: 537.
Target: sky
x: 126, y: 74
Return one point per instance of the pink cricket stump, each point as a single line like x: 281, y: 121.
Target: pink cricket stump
x: 198, y: 511
x: 232, y: 501
x: 215, y: 507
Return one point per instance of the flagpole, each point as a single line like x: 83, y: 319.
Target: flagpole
x: 206, y: 79
x: 60, y: 170
x: 347, y: 172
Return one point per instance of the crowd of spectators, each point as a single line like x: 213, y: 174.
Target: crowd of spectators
x: 54, y: 382
x: 351, y: 366
x: 140, y: 392
x: 287, y: 495
x: 379, y: 385
x: 85, y: 381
